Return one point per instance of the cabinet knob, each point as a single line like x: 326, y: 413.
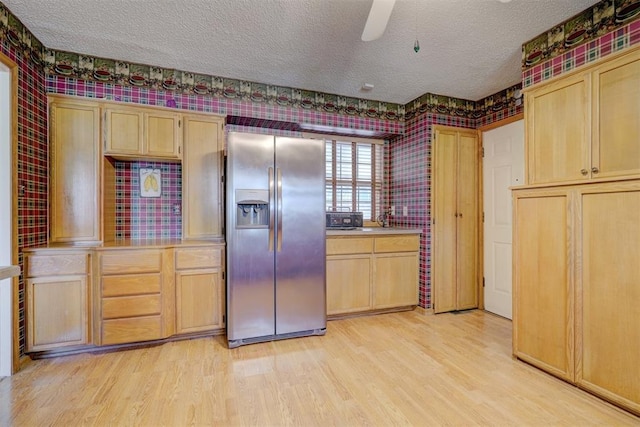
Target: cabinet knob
x: 460, y: 214
x: 595, y: 169
x: 584, y: 172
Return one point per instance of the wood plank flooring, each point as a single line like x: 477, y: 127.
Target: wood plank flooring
x: 393, y: 369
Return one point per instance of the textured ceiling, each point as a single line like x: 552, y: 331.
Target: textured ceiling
x: 469, y: 48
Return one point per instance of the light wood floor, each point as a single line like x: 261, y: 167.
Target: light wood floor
x: 392, y: 369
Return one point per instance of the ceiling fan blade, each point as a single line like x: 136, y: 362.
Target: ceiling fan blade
x: 377, y: 20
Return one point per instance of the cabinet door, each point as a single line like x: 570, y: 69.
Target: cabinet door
x: 609, y: 329
x: 467, y: 243
x: 200, y: 300
x: 162, y: 136
x: 616, y: 135
x: 558, y: 130
x: 455, y: 219
x: 124, y: 132
x: 348, y: 284
x: 396, y: 280
x: 57, y: 314
x: 201, y: 177
x: 75, y: 171
x: 543, y: 287
x: 444, y: 221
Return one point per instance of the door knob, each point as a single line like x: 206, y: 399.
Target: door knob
x: 584, y: 172
x: 595, y: 169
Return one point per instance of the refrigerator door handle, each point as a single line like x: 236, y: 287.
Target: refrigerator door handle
x: 279, y: 192
x: 271, y: 208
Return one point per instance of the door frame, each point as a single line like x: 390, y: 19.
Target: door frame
x: 15, y: 282
x: 481, y: 130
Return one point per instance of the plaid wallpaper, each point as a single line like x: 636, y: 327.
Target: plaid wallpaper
x: 32, y: 163
x: 617, y: 40
x: 148, y: 217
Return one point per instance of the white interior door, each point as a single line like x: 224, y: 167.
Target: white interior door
x: 6, y: 326
x: 503, y: 167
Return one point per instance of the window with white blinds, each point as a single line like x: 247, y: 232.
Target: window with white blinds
x: 354, y: 177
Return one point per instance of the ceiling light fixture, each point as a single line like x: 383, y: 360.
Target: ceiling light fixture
x: 367, y: 86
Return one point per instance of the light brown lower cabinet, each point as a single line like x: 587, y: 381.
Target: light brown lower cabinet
x: 112, y: 295
x: 577, y: 285
x: 371, y: 273
x: 200, y: 301
x: 131, y: 292
x: 58, y: 295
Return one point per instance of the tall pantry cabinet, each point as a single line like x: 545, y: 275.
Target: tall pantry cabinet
x: 75, y: 171
x: 455, y: 219
x: 577, y: 230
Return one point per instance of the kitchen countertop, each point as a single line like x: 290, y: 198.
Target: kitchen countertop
x: 376, y: 231
x: 9, y: 271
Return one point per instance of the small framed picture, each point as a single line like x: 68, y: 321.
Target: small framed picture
x: 150, y: 182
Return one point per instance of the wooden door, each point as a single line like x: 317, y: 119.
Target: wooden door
x: 609, y: 328
x: 396, y: 280
x: 162, y: 136
x: 455, y: 219
x: 124, y: 131
x: 616, y: 123
x: 558, y: 130
x: 444, y: 220
x: 75, y: 171
x: 202, y: 195
x: 543, y: 282
x: 199, y: 300
x: 58, y: 312
x: 348, y: 283
x: 467, y: 238
x: 502, y: 168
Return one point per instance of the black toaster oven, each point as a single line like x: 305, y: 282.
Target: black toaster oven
x: 344, y: 220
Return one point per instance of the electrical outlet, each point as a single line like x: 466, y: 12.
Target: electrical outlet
x: 405, y: 211
x: 393, y: 210
x: 176, y: 209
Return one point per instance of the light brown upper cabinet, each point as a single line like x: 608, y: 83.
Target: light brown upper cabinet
x: 202, y: 170
x: 142, y: 133
x: 616, y: 118
x: 74, y: 129
x: 585, y: 126
x: 455, y: 219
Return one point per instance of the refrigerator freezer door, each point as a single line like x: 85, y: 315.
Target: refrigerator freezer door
x: 250, y: 260
x: 300, y: 251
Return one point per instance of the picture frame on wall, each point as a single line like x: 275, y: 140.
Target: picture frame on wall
x: 150, y: 182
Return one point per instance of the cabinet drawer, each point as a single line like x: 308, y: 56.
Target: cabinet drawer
x: 130, y: 285
x: 139, y: 305
x: 410, y: 243
x: 60, y: 264
x: 198, y: 258
x: 120, y: 331
x: 349, y: 246
x: 119, y: 262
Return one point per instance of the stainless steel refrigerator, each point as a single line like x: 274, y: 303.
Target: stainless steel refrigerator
x: 275, y: 228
